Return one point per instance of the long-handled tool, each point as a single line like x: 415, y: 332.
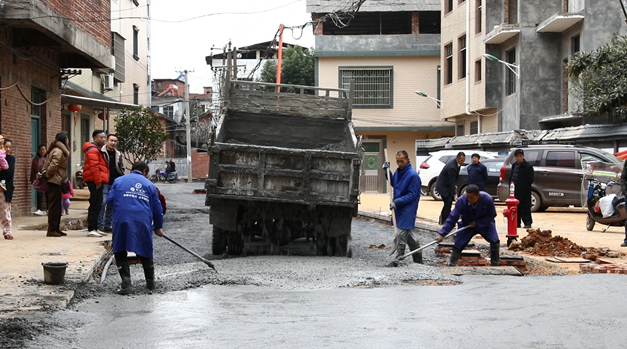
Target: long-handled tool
x: 204, y: 260
x: 391, y: 192
x: 394, y: 263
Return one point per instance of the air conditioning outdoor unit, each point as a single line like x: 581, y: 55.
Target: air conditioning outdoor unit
x: 107, y: 82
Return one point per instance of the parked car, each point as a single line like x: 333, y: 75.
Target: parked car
x: 431, y: 167
x: 492, y: 183
x: 558, y: 172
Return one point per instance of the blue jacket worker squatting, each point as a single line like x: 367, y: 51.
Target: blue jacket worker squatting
x: 476, y: 209
x: 406, y: 184
x: 136, y: 207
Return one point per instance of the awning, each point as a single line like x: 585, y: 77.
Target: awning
x: 564, y: 117
x: 501, y: 34
x: 559, y: 22
x: 95, y: 102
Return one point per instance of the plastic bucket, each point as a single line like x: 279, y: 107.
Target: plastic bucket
x: 54, y: 273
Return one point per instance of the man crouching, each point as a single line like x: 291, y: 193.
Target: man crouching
x: 477, y: 210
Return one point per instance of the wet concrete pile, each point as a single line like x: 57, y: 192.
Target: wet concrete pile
x: 542, y: 243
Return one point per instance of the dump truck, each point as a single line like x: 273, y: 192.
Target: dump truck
x: 284, y: 170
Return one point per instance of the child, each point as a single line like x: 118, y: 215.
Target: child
x: 4, y: 165
x: 65, y: 200
x: 162, y: 199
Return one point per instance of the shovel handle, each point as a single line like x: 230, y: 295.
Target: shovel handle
x: 431, y: 243
x: 204, y: 260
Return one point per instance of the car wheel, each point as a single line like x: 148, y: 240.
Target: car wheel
x: 423, y: 192
x: 536, y: 202
x: 462, y: 191
x: 434, y: 193
x: 589, y: 223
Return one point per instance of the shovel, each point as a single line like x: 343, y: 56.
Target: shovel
x: 204, y: 260
x: 391, y: 192
x: 394, y: 263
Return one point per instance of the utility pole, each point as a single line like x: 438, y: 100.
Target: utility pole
x: 188, y: 130
x: 623, y: 7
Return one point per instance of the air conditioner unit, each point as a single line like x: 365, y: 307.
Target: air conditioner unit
x: 107, y: 82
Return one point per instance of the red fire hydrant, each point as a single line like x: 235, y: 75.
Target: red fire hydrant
x: 511, y: 213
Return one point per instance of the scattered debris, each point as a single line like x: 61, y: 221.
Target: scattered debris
x: 603, y: 268
x: 380, y: 247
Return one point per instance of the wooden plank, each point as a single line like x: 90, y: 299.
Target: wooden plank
x: 572, y: 260
x: 553, y: 260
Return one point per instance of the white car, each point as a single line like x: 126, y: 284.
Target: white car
x: 431, y: 167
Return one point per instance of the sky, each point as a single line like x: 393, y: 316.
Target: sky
x: 184, y: 43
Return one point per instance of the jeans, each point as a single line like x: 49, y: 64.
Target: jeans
x: 95, y: 203
x: 106, y: 212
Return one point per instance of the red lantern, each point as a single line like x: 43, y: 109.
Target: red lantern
x: 102, y: 117
x: 74, y: 107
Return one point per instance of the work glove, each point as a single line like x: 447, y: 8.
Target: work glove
x: 392, y: 206
x: 439, y: 238
x: 386, y: 165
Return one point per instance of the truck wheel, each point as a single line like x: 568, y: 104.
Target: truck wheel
x: 234, y: 243
x: 344, y: 248
x: 589, y: 223
x: 321, y: 246
x: 434, y: 193
x: 218, y: 241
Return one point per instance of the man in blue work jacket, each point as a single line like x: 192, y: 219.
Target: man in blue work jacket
x: 477, y: 172
x: 137, y: 213
x: 406, y: 184
x: 477, y: 210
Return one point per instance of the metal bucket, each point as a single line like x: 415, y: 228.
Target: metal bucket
x: 54, y: 273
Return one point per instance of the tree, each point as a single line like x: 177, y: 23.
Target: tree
x: 599, y: 80
x: 140, y: 134
x: 297, y: 68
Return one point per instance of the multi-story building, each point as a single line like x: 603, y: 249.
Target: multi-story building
x: 42, y: 42
x: 124, y: 82
x: 536, y: 38
x: 388, y: 51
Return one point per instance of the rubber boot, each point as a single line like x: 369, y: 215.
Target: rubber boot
x: 125, y: 273
x: 495, y: 256
x: 149, y: 273
x: 417, y: 257
x: 455, y: 254
x: 400, y: 252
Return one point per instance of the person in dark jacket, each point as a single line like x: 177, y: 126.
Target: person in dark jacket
x: 476, y: 210
x: 406, y: 184
x: 445, y: 185
x: 7, y: 196
x: 623, y: 185
x: 116, y: 169
x: 36, y: 167
x: 522, y: 177
x: 55, y: 170
x: 477, y: 172
x: 137, y: 213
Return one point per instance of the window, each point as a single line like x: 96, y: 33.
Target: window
x: 449, y: 63
x: 479, y: 17
x: 510, y: 77
x: 575, y: 44
x: 372, y: 87
x: 460, y: 130
x: 135, y: 94
x: 474, y: 127
x: 449, y: 6
x: 117, y: 50
x: 462, y: 57
x: 478, y: 70
x: 429, y: 22
x: 136, y: 43
x: 168, y: 111
x: 561, y: 159
x: 512, y: 11
x: 533, y: 156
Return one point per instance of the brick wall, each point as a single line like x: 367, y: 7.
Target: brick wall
x: 15, y: 114
x: 91, y: 16
x: 200, y: 164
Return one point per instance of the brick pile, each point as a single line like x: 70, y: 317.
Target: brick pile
x: 514, y: 261
x: 471, y: 257
x: 603, y: 266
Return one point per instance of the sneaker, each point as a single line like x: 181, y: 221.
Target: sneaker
x: 39, y: 213
x: 527, y: 226
x: 3, y: 185
x: 102, y: 232
x: 94, y: 234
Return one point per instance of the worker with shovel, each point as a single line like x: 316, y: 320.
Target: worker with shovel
x: 136, y: 207
x: 477, y: 211
x: 406, y: 184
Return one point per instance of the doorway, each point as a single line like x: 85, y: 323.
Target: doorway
x: 373, y: 160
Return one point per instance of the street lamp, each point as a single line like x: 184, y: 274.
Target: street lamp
x: 514, y: 68
x: 437, y: 101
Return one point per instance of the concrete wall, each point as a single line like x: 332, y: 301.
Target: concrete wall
x: 377, y: 45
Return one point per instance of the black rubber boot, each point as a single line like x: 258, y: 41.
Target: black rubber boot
x: 400, y: 251
x: 417, y: 257
x: 455, y: 254
x: 149, y: 273
x: 125, y: 273
x: 495, y: 256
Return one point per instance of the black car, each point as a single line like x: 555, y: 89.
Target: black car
x: 491, y: 185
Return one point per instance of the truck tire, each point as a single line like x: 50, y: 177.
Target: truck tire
x: 234, y: 242
x: 218, y: 241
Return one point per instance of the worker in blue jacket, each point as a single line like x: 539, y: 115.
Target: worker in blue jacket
x: 477, y: 172
x: 476, y: 209
x: 137, y: 213
x: 406, y: 184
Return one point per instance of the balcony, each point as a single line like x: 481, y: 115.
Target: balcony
x: 559, y: 22
x: 502, y: 33
x: 377, y: 45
